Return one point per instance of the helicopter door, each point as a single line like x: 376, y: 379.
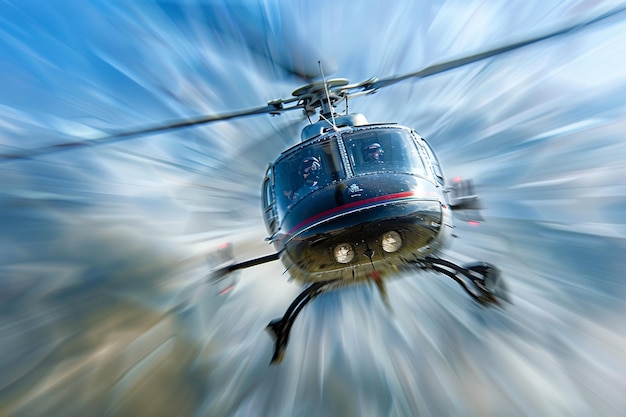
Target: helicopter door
x: 269, y: 206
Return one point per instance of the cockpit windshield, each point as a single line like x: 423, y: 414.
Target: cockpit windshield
x: 318, y: 164
x: 309, y: 168
x: 383, y: 149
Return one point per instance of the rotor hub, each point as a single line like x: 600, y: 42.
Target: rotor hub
x: 322, y: 95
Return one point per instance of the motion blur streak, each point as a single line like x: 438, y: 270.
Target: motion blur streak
x: 103, y: 309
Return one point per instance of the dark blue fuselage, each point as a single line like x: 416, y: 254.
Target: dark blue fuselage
x: 359, y: 221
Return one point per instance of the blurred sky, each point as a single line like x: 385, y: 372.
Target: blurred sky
x: 102, y: 306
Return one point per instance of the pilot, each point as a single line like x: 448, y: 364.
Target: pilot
x: 373, y: 154
x: 288, y: 193
x: 309, y: 169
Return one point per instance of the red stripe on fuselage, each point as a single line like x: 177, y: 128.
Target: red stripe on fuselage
x: 350, y: 206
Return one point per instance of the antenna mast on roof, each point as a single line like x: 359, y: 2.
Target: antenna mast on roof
x: 328, y: 110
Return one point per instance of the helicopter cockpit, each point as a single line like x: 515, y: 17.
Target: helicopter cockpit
x: 344, y: 155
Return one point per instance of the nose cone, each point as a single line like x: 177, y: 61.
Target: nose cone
x: 347, y: 245
x: 341, y: 230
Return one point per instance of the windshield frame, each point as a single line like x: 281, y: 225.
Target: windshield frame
x: 337, y: 155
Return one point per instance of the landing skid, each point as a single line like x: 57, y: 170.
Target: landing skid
x: 280, y: 328
x: 480, y: 280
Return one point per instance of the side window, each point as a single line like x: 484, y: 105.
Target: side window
x: 269, y: 207
x: 436, y: 166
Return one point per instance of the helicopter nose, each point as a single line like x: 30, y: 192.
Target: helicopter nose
x: 403, y: 229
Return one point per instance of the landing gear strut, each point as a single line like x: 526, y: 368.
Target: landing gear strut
x: 482, y: 281
x: 280, y: 328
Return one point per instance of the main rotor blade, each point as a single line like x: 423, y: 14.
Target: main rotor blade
x: 456, y: 63
x: 272, y: 107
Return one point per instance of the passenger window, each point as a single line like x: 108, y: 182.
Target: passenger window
x: 269, y: 213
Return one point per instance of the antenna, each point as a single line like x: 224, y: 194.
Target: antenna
x: 330, y: 106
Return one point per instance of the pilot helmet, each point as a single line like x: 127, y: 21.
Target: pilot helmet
x: 372, y: 148
x: 309, y: 162
x: 310, y: 166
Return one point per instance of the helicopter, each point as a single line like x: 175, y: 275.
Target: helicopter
x: 353, y: 202
x: 357, y: 202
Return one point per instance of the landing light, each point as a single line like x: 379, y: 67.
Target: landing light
x: 391, y: 241
x: 344, y: 253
